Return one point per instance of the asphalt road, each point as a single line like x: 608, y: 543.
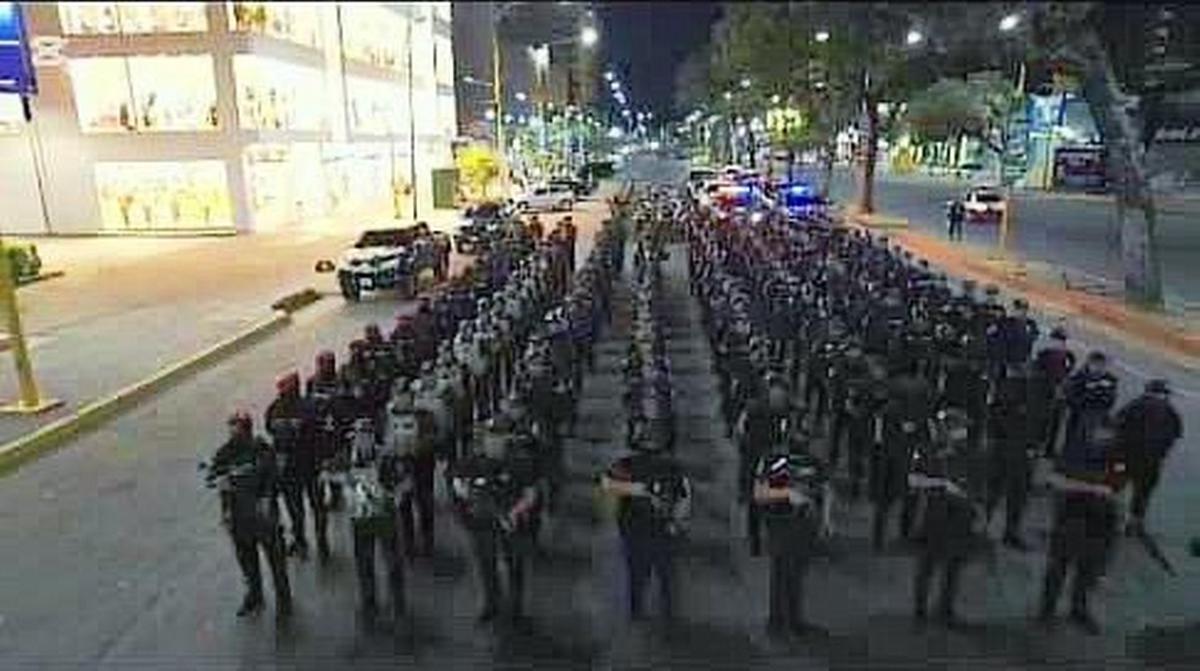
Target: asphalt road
x: 1051, y: 228
x: 113, y: 557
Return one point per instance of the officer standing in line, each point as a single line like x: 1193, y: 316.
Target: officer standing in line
x: 291, y: 424
x: 767, y: 421
x: 1053, y: 365
x: 323, y: 391
x: 245, y: 472
x: 946, y: 470
x: 1090, y: 394
x: 905, y: 419
x: 653, y: 506
x: 496, y: 496
x: 1012, y: 450
x: 793, y: 488
x: 412, y: 431
x: 1148, y: 427
x: 378, y: 478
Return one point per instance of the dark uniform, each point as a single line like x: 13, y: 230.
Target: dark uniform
x: 947, y: 472
x: 377, y: 479
x: 766, y: 422
x: 292, y: 426
x: 1012, y: 451
x: 496, y: 496
x: 794, y: 525
x: 653, y: 506
x: 244, y: 470
x: 1147, y: 429
x: 904, y: 428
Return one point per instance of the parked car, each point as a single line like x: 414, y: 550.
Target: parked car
x: 391, y: 258
x: 481, y: 224
x: 546, y: 197
x: 984, y: 204
x: 579, y: 189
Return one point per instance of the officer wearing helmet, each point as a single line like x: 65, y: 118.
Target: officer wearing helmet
x: 653, y: 507
x: 496, y: 496
x: 245, y: 471
x: 324, y: 393
x: 412, y: 432
x: 292, y: 426
x: 793, y: 489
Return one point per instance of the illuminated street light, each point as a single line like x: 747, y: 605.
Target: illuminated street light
x: 745, y: 83
x: 625, y: 113
x: 589, y: 36
x: 822, y: 35
x: 521, y: 97
x: 490, y: 115
x: 729, y: 95
x: 914, y: 37
x: 541, y: 56
x: 1009, y: 22
x: 609, y: 76
x: 615, y: 85
x: 775, y: 99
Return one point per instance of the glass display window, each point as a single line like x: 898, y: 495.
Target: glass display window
x: 132, y: 18
x: 372, y: 34
x: 374, y: 106
x: 174, y: 93
x: 163, y: 195
x: 285, y: 183
x: 297, y: 22
x: 277, y: 95
x: 145, y: 93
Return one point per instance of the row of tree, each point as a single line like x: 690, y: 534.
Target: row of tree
x: 954, y: 70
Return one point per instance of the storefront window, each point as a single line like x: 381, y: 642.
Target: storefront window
x: 372, y: 35
x: 297, y: 22
x: 130, y: 18
x: 285, y: 183
x: 145, y: 93
x: 276, y: 95
x: 374, y: 106
x: 160, y: 195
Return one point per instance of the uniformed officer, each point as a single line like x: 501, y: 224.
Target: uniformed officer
x: 792, y: 486
x: 245, y: 472
x: 947, y: 473
x: 290, y: 422
x: 324, y: 394
x: 905, y: 419
x: 496, y: 495
x: 378, y: 477
x: 1090, y: 394
x: 411, y: 431
x: 1012, y: 452
x: 653, y: 507
x: 1148, y: 427
x: 767, y: 421
x: 1053, y: 365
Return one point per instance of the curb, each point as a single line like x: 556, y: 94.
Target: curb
x: 53, y: 435
x: 1180, y: 345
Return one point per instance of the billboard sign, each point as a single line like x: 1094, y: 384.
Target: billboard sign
x: 16, y: 69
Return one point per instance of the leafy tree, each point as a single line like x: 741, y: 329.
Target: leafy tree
x: 479, y: 167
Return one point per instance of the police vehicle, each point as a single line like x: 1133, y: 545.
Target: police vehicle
x: 388, y: 258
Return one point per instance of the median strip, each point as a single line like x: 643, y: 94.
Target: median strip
x: 55, y: 434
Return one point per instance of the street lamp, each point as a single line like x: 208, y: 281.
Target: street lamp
x: 521, y: 96
x: 609, y: 75
x: 490, y: 115
x: 728, y: 95
x: 913, y: 38
x: 745, y: 83
x: 1009, y: 22
x: 589, y: 36
x: 822, y: 36
x: 775, y: 99
x: 615, y: 85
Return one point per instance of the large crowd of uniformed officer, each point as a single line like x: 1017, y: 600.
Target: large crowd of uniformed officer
x: 838, y: 358
x: 482, y: 379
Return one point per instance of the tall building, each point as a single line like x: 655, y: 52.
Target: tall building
x: 238, y: 116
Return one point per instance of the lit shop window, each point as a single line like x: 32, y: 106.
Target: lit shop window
x: 276, y: 95
x: 441, y: 10
x: 12, y: 117
x: 443, y: 56
x: 284, y: 183
x: 161, y: 195
x: 297, y: 22
x: 373, y: 34
x: 358, y: 175
x: 131, y: 18
x: 374, y: 106
x: 145, y: 93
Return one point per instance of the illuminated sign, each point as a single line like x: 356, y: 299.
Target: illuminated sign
x: 16, y: 71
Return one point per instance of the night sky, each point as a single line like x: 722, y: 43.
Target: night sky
x: 647, y: 41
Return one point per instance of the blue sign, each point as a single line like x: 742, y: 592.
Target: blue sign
x: 16, y: 68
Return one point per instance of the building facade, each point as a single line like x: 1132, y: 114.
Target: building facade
x: 228, y: 116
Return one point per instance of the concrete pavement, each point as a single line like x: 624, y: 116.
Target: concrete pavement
x: 114, y: 559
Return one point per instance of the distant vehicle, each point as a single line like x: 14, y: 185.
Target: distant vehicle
x: 799, y: 201
x: 480, y: 225
x: 736, y: 199
x: 984, y: 204
x: 547, y: 197
x: 731, y: 172
x: 698, y: 178
x: 391, y: 258
x: 579, y: 188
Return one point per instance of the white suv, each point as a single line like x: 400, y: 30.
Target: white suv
x: 551, y: 197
